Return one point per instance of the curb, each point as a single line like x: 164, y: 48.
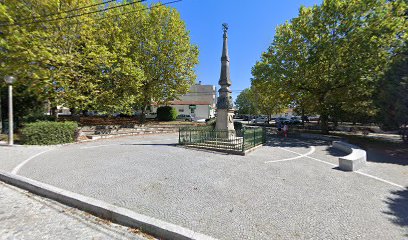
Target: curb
x: 215, y: 150
x: 123, y: 216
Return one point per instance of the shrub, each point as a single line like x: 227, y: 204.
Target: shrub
x: 166, y: 113
x: 48, y: 133
x: 238, y: 126
x: 211, y: 122
x: 37, y: 115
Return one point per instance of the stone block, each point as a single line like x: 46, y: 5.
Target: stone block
x: 356, y: 158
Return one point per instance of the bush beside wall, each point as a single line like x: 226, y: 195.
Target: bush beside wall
x: 166, y: 113
x: 238, y: 126
x: 48, y: 133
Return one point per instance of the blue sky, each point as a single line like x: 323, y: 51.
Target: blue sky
x: 251, y: 29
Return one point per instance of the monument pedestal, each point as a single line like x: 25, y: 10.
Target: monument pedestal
x: 225, y: 121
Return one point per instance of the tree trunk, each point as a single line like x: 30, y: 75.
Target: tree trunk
x: 143, y: 116
x: 54, y: 112
x: 336, y: 123
x: 324, y: 123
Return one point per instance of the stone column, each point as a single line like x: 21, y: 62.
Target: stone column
x: 225, y: 112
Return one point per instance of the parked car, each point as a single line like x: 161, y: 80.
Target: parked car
x: 282, y: 120
x: 200, y: 120
x: 314, y: 118
x: 295, y: 120
x: 151, y: 115
x: 185, y: 117
x: 248, y: 117
x: 260, y: 119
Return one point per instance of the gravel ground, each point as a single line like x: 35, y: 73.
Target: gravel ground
x: 234, y: 197
x: 10, y: 157
x: 27, y: 216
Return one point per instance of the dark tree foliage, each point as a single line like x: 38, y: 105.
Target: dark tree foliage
x: 392, y: 97
x: 166, y: 113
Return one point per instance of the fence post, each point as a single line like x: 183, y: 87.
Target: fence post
x: 190, y: 135
x: 263, y: 135
x: 254, y: 136
x: 179, y: 136
x: 243, y: 140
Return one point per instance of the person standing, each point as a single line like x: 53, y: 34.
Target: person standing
x: 285, y: 130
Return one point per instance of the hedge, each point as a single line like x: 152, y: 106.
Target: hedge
x: 238, y: 126
x: 166, y: 113
x: 48, y: 133
x: 212, y: 122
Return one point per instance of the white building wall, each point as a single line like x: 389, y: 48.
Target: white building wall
x: 202, y: 96
x: 201, y: 93
x: 201, y: 111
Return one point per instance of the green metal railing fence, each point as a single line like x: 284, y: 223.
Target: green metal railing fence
x: 235, y: 141
x: 253, y: 137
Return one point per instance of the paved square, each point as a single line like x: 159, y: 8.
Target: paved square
x: 289, y: 189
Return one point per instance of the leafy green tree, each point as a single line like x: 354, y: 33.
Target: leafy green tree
x: 166, y: 113
x: 392, y: 97
x: 108, y: 61
x: 165, y: 54
x: 46, y: 55
x: 330, y: 57
x: 245, y: 103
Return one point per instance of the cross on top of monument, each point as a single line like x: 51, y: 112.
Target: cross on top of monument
x: 225, y: 27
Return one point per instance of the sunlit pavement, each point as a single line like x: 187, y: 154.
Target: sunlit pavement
x: 288, y: 189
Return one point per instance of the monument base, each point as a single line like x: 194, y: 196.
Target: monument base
x: 225, y: 121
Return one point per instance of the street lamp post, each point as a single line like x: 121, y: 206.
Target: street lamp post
x: 10, y: 80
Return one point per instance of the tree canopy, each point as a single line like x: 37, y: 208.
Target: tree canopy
x: 329, y: 59
x: 245, y: 104
x: 111, y: 57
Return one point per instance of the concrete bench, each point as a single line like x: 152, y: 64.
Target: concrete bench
x: 355, y: 159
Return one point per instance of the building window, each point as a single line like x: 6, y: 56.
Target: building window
x: 181, y: 110
x: 192, y: 110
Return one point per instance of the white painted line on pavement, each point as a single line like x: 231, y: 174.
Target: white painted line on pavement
x: 380, y: 179
x: 358, y: 172
x: 16, y: 169
x: 331, y: 164
x: 293, y: 158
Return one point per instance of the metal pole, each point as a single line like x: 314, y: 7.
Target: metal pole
x: 243, y: 140
x: 10, y: 107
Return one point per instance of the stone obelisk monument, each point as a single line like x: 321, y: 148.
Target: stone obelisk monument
x: 225, y: 113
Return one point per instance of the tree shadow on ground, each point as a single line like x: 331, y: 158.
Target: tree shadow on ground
x: 378, y: 156
x: 382, y: 151
x: 335, y: 152
x: 274, y: 141
x: 398, y: 207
